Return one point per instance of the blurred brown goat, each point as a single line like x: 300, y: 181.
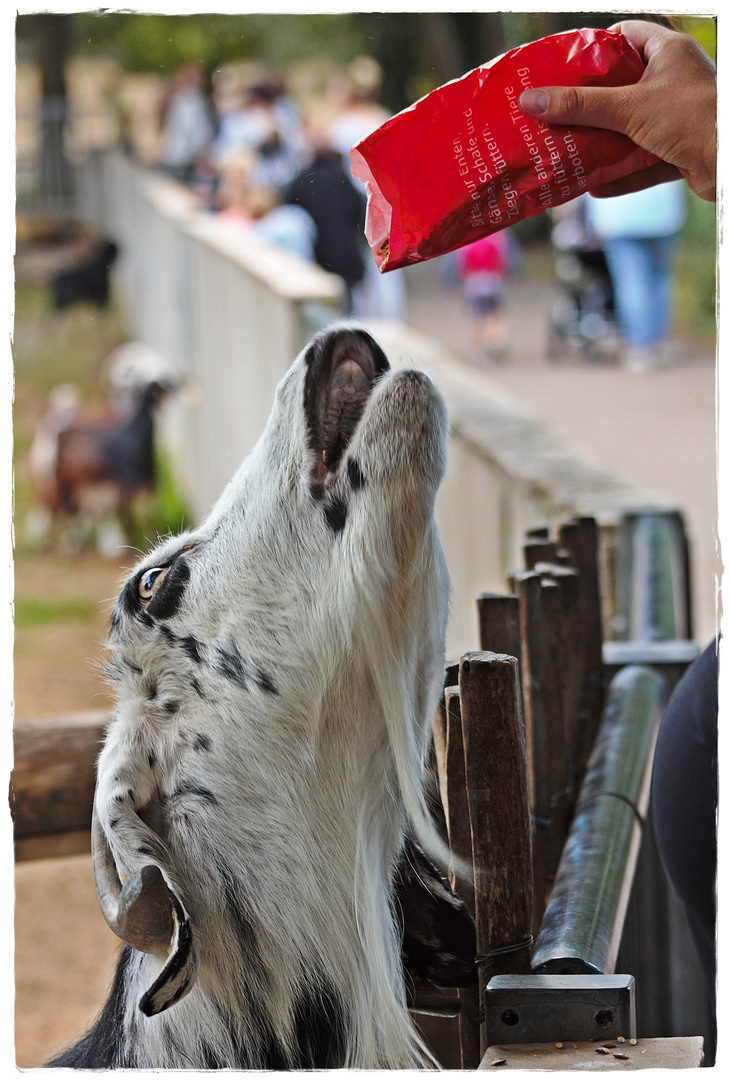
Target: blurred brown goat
x: 96, y: 464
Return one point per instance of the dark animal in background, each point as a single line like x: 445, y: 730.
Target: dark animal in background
x: 86, y: 281
x: 95, y: 465
x: 119, y: 453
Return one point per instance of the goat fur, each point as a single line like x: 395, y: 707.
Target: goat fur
x: 275, y: 696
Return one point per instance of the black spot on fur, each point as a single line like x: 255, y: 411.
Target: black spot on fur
x: 357, y: 480
x: 170, y: 636
x: 202, y: 742
x: 168, y: 597
x: 115, y: 620
x: 132, y: 667
x: 197, y: 686
x: 146, y: 619
x: 320, y: 1030
x: 192, y: 647
x: 210, y: 1059
x: 336, y: 513
x: 171, y: 707
x: 245, y: 932
x: 130, y: 597
x: 317, y: 491
x: 265, y: 682
x: 187, y: 787
x: 151, y: 690
x: 230, y: 664
x: 151, y: 759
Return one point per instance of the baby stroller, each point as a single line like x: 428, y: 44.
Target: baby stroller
x: 583, y: 320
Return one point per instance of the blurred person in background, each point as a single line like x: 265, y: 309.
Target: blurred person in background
x: 483, y: 269
x: 324, y: 189
x: 640, y: 233
x: 188, y: 126
x: 256, y: 208
x: 358, y: 114
x: 266, y: 122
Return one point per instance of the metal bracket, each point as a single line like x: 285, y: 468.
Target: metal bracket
x: 668, y: 658
x: 559, y: 1008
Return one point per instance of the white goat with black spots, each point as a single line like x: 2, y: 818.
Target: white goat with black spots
x: 261, y: 784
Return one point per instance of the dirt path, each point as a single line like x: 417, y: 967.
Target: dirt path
x: 64, y: 951
x: 658, y: 429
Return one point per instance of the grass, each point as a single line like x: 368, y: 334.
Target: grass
x: 31, y: 612
x: 51, y: 348
x: 695, y: 294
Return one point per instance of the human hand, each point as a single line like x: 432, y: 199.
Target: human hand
x: 671, y: 111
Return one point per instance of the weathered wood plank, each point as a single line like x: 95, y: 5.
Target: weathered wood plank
x: 499, y: 621
x: 542, y: 700
x: 53, y: 779
x: 579, y: 538
x: 460, y: 844
x: 497, y: 792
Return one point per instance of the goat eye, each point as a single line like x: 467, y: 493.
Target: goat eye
x: 150, y: 581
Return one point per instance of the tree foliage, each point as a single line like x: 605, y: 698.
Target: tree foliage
x: 161, y: 43
x: 417, y: 50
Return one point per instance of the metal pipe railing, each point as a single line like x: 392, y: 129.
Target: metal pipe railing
x: 654, y: 577
x: 582, y: 925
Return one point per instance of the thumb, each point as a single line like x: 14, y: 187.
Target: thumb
x: 588, y: 106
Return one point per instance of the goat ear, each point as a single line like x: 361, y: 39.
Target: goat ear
x: 438, y: 932
x: 179, y: 973
x: 146, y: 913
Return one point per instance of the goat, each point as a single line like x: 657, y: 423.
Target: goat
x: 76, y: 457
x: 260, y: 792
x: 87, y: 280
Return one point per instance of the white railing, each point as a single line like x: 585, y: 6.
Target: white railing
x: 231, y: 314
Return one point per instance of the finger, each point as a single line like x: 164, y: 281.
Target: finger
x: 639, y: 31
x: 587, y: 106
x: 660, y: 173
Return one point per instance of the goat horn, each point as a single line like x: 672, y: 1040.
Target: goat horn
x: 140, y: 911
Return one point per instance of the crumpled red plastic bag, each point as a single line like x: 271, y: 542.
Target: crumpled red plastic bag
x: 464, y: 161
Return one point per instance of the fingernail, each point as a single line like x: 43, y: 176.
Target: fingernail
x: 534, y: 101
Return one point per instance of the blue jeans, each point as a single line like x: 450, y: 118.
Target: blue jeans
x: 642, y: 275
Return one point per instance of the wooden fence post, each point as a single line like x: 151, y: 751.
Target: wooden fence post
x: 499, y: 620
x: 497, y: 793
x: 568, y: 660
x: 439, y: 737
x: 544, y: 718
x: 579, y: 540
x: 460, y: 844
x: 52, y: 784
x: 499, y: 623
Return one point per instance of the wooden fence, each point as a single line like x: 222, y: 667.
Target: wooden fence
x: 531, y: 744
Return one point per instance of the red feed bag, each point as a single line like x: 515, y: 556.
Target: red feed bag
x: 464, y: 161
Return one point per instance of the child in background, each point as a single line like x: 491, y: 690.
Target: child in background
x: 483, y: 268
